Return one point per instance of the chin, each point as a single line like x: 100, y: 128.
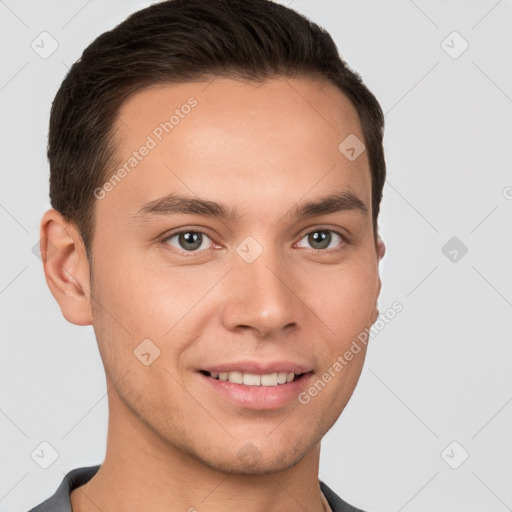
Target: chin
x: 263, y: 466
x: 250, y: 460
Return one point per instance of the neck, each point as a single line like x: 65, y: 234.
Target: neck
x: 142, y: 471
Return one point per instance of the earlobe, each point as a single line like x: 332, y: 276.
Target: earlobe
x: 66, y: 267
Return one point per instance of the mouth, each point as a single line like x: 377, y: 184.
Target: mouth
x: 256, y: 391
x: 255, y: 379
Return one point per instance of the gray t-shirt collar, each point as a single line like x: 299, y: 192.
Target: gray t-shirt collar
x: 60, y: 501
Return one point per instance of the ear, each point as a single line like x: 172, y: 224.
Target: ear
x: 381, y: 250
x: 66, y: 267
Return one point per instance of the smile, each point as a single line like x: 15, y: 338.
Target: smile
x: 253, y: 379
x: 267, y: 391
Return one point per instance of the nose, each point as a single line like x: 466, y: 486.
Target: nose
x: 261, y: 298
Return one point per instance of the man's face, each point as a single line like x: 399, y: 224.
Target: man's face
x: 264, y: 286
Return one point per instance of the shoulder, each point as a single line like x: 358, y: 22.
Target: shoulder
x: 59, y: 501
x: 335, y: 502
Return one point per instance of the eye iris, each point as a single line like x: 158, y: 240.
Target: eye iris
x: 190, y: 237
x: 322, y: 237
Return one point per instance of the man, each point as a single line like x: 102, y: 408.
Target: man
x: 216, y: 176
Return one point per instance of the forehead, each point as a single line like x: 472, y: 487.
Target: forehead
x: 240, y: 140
x: 316, y: 108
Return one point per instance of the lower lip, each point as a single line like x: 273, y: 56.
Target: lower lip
x: 259, y: 397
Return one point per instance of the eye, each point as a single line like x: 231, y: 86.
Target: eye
x: 321, y: 239
x: 188, y: 241
x: 193, y: 241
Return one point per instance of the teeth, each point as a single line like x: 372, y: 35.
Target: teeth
x: 252, y: 379
x: 270, y: 379
x: 281, y: 377
x: 236, y: 377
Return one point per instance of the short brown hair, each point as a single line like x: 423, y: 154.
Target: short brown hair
x: 178, y: 41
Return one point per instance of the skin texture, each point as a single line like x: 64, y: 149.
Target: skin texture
x: 173, y: 443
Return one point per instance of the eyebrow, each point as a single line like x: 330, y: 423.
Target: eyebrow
x: 175, y: 204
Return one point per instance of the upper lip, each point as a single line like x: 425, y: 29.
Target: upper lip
x: 259, y: 367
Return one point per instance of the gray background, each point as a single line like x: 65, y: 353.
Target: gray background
x: 438, y: 373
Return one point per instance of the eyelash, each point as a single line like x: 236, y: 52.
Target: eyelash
x: 192, y: 253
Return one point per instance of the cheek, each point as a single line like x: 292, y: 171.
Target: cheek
x: 347, y: 309
x: 347, y: 301
x: 145, y: 296
x: 136, y: 299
